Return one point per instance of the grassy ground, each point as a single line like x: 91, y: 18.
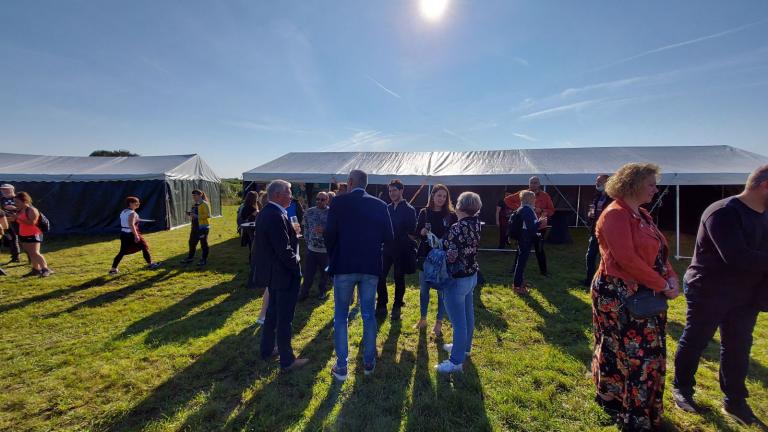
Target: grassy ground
x: 176, y: 349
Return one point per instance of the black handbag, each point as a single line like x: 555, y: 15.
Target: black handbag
x: 646, y: 303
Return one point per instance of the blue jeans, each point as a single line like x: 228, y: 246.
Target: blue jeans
x: 461, y: 311
x: 593, y: 250
x: 343, y: 288
x: 424, y: 288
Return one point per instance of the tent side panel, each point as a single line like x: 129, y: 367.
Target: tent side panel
x: 180, y: 197
x: 94, y: 207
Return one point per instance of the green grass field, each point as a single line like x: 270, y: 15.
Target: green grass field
x: 176, y: 349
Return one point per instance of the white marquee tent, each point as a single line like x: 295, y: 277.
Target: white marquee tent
x: 680, y: 165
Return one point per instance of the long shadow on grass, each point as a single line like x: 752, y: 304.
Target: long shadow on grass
x: 452, y: 403
x: 220, y: 376
x: 377, y: 402
x: 566, y: 326
x: 93, y: 283
x: 113, y: 296
x: 282, y: 401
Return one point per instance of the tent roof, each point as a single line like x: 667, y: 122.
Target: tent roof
x: 21, y: 167
x: 684, y: 165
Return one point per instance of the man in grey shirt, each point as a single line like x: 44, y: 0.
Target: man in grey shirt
x: 315, y: 220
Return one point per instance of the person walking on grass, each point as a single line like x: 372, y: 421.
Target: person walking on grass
x: 436, y: 218
x: 276, y: 258
x: 131, y: 240
x: 528, y: 232
x: 358, y: 226
x: 543, y: 207
x: 199, y: 215
x: 315, y: 219
x: 630, y: 349
x: 30, y: 234
x: 725, y: 288
x: 461, y: 244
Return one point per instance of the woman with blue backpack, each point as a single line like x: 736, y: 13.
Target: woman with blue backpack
x: 524, y: 226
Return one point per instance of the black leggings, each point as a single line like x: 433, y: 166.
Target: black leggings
x: 198, y: 235
x: 126, y: 241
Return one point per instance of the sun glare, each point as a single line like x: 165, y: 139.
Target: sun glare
x: 433, y: 10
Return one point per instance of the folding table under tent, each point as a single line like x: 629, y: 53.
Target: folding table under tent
x: 85, y: 195
x: 719, y: 166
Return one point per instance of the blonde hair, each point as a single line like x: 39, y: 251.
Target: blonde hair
x: 469, y: 203
x: 628, y: 180
x: 527, y: 196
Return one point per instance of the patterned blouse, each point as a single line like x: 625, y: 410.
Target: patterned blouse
x: 461, y: 245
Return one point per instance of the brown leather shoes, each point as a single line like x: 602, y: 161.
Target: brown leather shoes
x: 297, y: 363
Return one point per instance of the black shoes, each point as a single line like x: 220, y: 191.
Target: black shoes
x: 684, y: 400
x: 740, y: 411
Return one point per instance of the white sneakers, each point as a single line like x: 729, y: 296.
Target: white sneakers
x: 449, y: 347
x: 446, y: 367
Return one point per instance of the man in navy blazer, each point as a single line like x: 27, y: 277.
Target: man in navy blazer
x: 276, y: 264
x: 357, y: 229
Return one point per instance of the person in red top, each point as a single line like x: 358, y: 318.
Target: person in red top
x: 629, y: 360
x: 543, y: 207
x: 30, y: 235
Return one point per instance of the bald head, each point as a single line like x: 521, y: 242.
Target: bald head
x: 757, y: 178
x: 534, y: 184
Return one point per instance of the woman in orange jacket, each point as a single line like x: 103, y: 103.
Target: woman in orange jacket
x: 629, y: 361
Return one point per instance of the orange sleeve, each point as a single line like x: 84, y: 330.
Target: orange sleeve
x: 512, y: 201
x: 549, y: 208
x: 614, y: 229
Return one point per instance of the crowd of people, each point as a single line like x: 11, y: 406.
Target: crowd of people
x: 354, y: 240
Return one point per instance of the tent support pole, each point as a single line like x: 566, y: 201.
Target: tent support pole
x: 578, y: 205
x: 677, y: 221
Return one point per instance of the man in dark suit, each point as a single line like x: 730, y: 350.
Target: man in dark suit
x: 358, y: 226
x: 277, y: 266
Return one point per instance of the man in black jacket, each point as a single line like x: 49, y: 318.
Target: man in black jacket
x: 277, y: 266
x: 599, y: 202
x: 722, y: 286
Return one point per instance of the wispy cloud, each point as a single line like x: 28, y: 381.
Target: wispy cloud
x: 267, y: 126
x: 367, y: 140
x: 381, y: 86
x: 521, y: 61
x: 609, y: 85
x: 577, y: 106
x: 155, y: 65
x: 525, y: 137
x: 682, y: 44
x: 459, y: 137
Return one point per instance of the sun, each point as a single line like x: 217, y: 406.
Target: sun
x: 433, y: 10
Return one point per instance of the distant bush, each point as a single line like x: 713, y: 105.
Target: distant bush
x: 112, y: 153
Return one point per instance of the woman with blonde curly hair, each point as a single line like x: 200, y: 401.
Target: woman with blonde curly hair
x: 629, y: 361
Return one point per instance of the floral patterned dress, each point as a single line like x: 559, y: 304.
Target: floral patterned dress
x: 461, y: 245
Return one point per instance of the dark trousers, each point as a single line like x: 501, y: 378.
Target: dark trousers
x: 314, y: 261
x: 502, y: 234
x: 125, y: 241
x: 538, y: 247
x: 11, y: 238
x: 195, y: 236
x: 736, y: 323
x: 278, y: 324
x: 593, y: 250
x: 382, y: 297
x: 521, y: 259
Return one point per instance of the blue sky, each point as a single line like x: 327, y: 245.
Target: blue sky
x: 242, y: 82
